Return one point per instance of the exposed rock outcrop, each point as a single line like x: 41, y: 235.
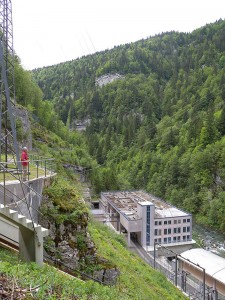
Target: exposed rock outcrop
x: 24, y: 135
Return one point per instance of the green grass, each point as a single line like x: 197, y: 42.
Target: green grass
x: 52, y: 285
x: 137, y: 280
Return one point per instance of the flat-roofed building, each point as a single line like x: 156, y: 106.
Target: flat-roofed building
x: 148, y: 219
x: 208, y: 268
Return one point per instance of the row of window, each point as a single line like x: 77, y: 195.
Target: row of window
x: 169, y: 230
x: 175, y: 239
x: 148, y: 226
x: 169, y: 222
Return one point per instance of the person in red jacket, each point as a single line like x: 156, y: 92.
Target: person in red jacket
x: 25, y: 162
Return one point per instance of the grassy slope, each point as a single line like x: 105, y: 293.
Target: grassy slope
x: 137, y: 280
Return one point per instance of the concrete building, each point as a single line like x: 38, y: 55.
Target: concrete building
x: 148, y: 220
x: 206, y: 267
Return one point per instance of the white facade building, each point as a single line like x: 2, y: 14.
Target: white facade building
x: 148, y: 219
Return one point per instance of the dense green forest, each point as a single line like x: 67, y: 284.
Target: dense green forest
x: 159, y: 128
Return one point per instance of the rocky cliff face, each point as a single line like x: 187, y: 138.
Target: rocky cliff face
x: 70, y: 246
x: 24, y: 135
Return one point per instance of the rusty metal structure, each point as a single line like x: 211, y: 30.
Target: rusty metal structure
x: 8, y: 139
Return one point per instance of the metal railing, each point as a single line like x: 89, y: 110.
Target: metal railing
x: 38, y: 166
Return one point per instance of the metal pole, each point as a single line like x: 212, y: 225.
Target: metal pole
x: 176, y: 270
x: 154, y: 254
x: 37, y: 167
x: 203, y: 283
x: 4, y: 187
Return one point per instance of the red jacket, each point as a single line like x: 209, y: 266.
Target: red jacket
x: 24, y: 158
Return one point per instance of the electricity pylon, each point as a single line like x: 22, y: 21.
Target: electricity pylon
x: 8, y: 139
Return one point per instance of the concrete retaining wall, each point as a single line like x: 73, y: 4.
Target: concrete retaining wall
x: 24, y: 197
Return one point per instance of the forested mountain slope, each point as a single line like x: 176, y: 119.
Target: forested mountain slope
x: 161, y: 127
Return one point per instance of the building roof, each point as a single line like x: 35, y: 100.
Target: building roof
x: 213, y: 264
x: 126, y: 202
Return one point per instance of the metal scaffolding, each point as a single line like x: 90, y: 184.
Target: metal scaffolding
x: 8, y: 137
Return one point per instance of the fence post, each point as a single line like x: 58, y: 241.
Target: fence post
x: 4, y: 187
x: 176, y: 270
x: 37, y: 167
x: 45, y: 167
x: 154, y: 253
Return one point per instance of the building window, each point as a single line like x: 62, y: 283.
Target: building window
x: 165, y: 240
x: 169, y: 230
x: 188, y: 228
x: 178, y: 238
x: 159, y: 240
x: 169, y: 222
x: 156, y: 231
x: 178, y: 230
x: 179, y: 221
x: 175, y: 230
x: 188, y: 220
x: 159, y: 231
x: 169, y: 239
x: 175, y: 222
x: 174, y: 238
x: 165, y: 222
x: 184, y: 220
x: 165, y: 231
x: 156, y: 222
x: 184, y: 238
x: 188, y: 237
x: 148, y: 226
x: 184, y: 229
x: 160, y: 223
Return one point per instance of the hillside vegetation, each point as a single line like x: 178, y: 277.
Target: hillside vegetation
x: 137, y: 280
x: 161, y: 127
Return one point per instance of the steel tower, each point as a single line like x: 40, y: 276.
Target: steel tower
x: 8, y: 140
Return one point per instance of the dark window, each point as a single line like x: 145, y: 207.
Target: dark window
x: 148, y: 226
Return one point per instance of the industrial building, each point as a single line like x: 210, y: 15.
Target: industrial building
x: 207, y: 268
x: 148, y: 219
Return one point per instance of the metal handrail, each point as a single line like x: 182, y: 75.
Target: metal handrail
x: 42, y: 163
